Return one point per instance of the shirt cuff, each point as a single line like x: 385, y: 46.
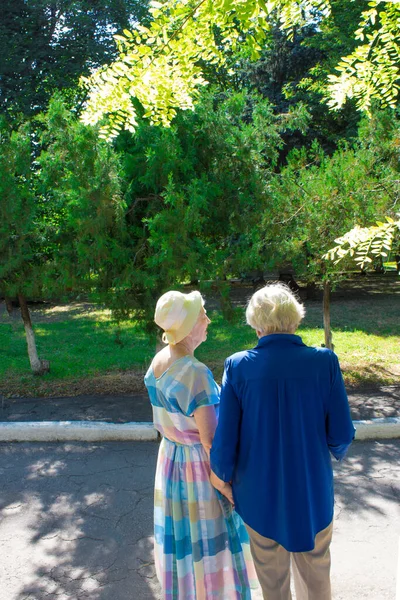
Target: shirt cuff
x: 339, y: 451
x: 222, y: 471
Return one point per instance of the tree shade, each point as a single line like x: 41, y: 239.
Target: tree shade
x: 46, y: 45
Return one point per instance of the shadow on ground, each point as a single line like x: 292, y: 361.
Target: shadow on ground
x: 367, y: 482
x: 378, y: 402
x: 77, y: 522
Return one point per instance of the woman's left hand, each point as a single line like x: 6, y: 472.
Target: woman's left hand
x: 222, y: 486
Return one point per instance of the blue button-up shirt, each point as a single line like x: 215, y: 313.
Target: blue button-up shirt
x: 283, y: 408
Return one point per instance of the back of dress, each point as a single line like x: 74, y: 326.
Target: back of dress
x: 185, y: 386
x: 201, y: 548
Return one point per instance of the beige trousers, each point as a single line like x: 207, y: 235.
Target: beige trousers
x: 311, y: 570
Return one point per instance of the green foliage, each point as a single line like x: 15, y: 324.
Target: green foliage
x: 79, y: 175
x: 330, y: 40
x: 317, y: 197
x: 160, y: 65
x: 295, y: 70
x: 61, y: 210
x: 47, y: 45
x: 195, y: 191
x: 19, y: 213
x: 371, y: 72
x: 361, y: 244
x: 364, y: 244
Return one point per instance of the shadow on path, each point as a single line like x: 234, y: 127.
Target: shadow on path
x: 76, y: 521
x: 368, y: 480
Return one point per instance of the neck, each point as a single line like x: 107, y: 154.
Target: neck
x: 261, y: 334
x: 182, y: 348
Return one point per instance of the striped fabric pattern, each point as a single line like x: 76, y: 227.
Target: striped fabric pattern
x: 201, y: 546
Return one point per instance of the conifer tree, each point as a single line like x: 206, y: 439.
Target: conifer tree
x: 61, y: 213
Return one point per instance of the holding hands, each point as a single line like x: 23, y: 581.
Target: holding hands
x: 222, y: 486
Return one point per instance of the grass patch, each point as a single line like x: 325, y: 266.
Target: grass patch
x: 77, y: 347
x: 81, y: 345
x: 89, y: 353
x: 366, y: 335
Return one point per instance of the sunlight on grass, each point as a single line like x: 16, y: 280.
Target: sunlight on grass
x: 76, y: 348
x: 366, y: 357
x: 82, y: 342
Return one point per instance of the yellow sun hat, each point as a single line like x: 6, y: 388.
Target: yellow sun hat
x: 177, y: 314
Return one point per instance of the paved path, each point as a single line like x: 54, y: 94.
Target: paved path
x: 112, y: 409
x: 76, y: 522
x: 377, y: 403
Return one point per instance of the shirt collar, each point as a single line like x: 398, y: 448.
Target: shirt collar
x: 289, y: 338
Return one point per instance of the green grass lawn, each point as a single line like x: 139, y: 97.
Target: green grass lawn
x: 88, y: 356
x: 81, y: 343
x: 366, y: 335
x: 80, y: 346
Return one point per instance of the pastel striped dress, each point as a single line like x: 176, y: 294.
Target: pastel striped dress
x: 201, y: 546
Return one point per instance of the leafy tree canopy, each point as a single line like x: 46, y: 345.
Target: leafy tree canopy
x: 61, y: 211
x: 161, y: 66
x: 365, y: 245
x: 296, y: 70
x: 315, y: 195
x: 372, y: 71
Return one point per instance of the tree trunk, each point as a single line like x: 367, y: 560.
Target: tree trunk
x: 38, y: 366
x: 9, y: 305
x: 327, y: 315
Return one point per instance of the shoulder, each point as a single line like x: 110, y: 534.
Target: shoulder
x: 198, y: 370
x: 240, y: 358
x: 322, y: 359
x: 323, y: 354
x: 201, y: 383
x: 316, y: 350
x: 160, y: 363
x: 197, y: 365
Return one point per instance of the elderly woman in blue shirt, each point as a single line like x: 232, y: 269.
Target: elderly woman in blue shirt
x: 283, y: 411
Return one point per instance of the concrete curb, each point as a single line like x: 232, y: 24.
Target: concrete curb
x: 79, y: 431
x: 101, y: 431
x: 378, y: 429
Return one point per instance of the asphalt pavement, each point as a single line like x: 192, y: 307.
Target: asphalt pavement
x: 76, y: 521
x: 378, y: 402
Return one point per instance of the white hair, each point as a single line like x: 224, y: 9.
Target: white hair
x: 274, y: 309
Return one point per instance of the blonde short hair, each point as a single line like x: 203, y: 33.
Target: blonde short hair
x: 274, y: 309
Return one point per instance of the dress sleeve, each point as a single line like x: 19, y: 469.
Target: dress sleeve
x: 202, y: 389
x: 339, y: 426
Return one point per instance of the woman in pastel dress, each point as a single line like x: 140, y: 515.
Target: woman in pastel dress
x: 201, y: 546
